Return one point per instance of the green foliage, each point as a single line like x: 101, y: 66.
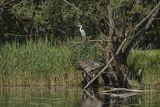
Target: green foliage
x: 58, y: 18
x: 149, y: 62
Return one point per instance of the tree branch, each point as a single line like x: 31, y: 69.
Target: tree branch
x: 140, y: 33
x: 148, y: 16
x: 70, y: 4
x: 4, y: 4
x: 107, y: 65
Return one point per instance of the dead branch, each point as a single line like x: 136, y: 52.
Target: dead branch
x: 148, y: 16
x: 4, y: 4
x: 97, y: 40
x: 70, y: 4
x: 131, y: 40
x: 18, y: 4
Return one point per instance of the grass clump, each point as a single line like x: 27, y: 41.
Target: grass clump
x: 149, y: 62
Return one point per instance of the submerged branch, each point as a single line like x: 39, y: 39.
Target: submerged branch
x: 125, y: 95
x: 122, y: 92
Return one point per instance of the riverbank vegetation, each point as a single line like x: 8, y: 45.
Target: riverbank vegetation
x: 43, y: 63
x: 149, y: 62
x: 39, y: 44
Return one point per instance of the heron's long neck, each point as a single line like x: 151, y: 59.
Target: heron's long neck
x: 80, y: 27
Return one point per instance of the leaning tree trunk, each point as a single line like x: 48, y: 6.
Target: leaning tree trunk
x: 115, y: 52
x: 117, y: 71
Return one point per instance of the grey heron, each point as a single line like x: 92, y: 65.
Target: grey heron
x: 83, y: 33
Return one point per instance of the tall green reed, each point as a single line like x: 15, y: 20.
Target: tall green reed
x: 149, y: 62
x: 42, y: 62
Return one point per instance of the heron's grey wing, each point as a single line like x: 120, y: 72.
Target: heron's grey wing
x: 83, y: 33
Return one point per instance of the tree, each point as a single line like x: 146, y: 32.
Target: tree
x: 120, y: 40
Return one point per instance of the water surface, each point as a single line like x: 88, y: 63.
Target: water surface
x: 70, y: 97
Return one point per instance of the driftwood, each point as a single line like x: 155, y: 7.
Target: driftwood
x: 89, y: 66
x: 122, y: 90
x: 124, y: 95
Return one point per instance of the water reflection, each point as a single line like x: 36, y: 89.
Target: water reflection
x: 39, y: 97
x: 100, y: 100
x: 91, y: 100
x: 70, y: 97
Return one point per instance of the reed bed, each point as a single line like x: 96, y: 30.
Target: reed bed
x: 43, y: 63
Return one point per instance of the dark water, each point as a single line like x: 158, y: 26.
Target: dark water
x: 70, y: 97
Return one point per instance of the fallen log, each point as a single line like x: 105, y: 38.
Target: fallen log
x: 125, y: 95
x: 122, y: 90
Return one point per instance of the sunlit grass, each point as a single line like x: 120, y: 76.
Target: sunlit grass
x: 149, y: 62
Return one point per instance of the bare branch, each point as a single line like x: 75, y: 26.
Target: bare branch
x: 140, y: 33
x: 148, y: 16
x: 4, y: 4
x: 107, y: 65
x: 70, y: 4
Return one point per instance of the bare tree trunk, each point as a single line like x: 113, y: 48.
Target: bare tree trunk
x: 118, y: 69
